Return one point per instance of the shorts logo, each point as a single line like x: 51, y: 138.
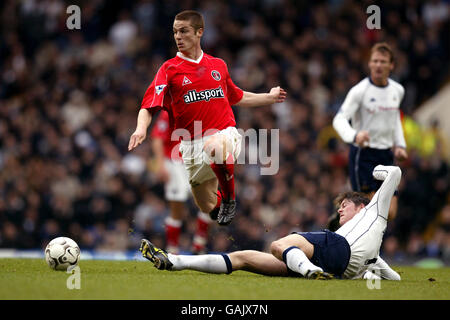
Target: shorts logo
x: 160, y: 88
x: 216, y: 75
x: 205, y: 95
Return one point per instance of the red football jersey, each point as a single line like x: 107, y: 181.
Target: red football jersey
x: 162, y: 129
x: 191, y: 91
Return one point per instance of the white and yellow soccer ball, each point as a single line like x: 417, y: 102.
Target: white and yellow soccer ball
x: 62, y: 253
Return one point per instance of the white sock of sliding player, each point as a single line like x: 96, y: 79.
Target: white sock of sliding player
x: 297, y: 261
x: 211, y: 263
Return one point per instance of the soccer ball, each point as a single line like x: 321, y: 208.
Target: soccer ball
x: 61, y: 253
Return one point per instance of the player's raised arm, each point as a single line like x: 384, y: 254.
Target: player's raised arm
x: 341, y: 120
x: 143, y: 121
x: 391, y: 176
x: 250, y: 99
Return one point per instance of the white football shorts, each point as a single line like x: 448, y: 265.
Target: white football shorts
x: 197, y: 162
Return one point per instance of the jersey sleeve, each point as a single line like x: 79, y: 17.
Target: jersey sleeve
x: 341, y: 120
x: 154, y: 98
x: 384, y: 271
x: 234, y: 93
x: 399, y: 137
x: 391, y: 176
x: 401, y: 91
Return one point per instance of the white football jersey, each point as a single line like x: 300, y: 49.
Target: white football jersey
x: 374, y: 109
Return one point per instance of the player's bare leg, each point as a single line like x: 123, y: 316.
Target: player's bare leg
x: 247, y: 260
x: 277, y: 247
x: 205, y: 195
x: 257, y: 262
x: 177, y: 210
x: 218, y: 149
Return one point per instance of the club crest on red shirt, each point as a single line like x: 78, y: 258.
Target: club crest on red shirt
x: 215, y: 74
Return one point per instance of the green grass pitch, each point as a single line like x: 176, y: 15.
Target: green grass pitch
x: 136, y: 280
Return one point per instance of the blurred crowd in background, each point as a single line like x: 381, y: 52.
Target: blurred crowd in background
x: 69, y: 101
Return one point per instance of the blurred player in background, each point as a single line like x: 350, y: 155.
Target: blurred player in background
x: 375, y: 131
x: 352, y: 252
x: 169, y: 169
x: 197, y: 91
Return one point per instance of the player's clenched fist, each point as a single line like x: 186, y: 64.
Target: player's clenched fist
x: 362, y: 138
x: 278, y: 94
x: 136, y: 139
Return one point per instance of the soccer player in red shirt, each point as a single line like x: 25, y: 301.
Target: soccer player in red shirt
x: 169, y: 169
x: 197, y: 91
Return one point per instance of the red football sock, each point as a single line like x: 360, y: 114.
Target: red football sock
x: 203, y: 221
x: 201, y: 234
x: 219, y: 198
x: 173, y: 230
x: 225, y: 175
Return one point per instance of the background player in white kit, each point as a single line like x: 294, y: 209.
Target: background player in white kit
x: 169, y: 169
x: 375, y: 132
x: 352, y: 252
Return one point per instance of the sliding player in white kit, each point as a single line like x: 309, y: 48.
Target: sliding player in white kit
x: 375, y: 131
x: 352, y: 252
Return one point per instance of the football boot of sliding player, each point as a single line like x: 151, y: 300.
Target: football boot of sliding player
x: 157, y: 256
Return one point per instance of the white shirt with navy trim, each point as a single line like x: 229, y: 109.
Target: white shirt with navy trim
x: 374, y: 109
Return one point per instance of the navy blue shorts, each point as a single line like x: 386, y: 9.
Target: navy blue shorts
x: 361, y: 162
x: 331, y: 251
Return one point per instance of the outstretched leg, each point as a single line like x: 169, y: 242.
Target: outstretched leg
x: 247, y: 260
x: 219, y: 152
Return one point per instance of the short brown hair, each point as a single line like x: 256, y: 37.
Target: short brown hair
x: 356, y: 197
x: 384, y: 48
x: 194, y: 17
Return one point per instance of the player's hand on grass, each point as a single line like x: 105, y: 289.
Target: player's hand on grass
x: 136, y: 139
x: 278, y: 94
x: 362, y: 138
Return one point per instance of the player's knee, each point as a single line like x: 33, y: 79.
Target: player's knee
x: 215, y: 149
x: 238, y: 260
x: 205, y: 206
x: 276, y: 248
